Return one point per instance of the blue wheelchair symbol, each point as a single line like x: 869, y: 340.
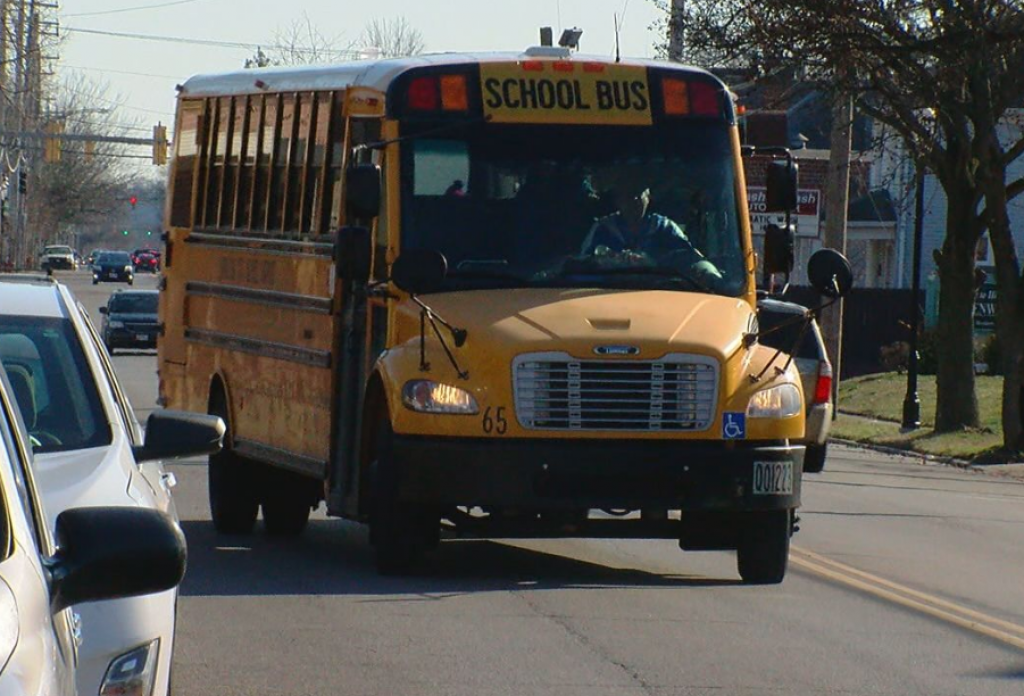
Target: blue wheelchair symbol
x: 734, y: 426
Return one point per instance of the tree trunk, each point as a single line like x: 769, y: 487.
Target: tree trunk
x: 957, y: 403
x: 1009, y: 313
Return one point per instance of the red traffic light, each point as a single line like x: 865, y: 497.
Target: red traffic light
x: 133, y: 200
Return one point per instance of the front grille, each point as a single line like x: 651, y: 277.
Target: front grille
x: 554, y: 391
x: 145, y: 327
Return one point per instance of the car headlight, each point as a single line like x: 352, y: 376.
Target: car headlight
x: 128, y: 268
x: 133, y: 673
x: 116, y: 324
x: 425, y: 396
x: 782, y: 401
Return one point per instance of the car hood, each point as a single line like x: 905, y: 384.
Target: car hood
x: 94, y: 477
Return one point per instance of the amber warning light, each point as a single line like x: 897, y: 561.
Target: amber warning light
x: 438, y: 92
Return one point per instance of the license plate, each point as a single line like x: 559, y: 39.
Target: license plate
x: 773, y: 478
x: 141, y: 337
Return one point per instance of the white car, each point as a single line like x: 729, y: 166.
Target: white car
x: 58, y: 256
x: 97, y: 559
x: 89, y: 452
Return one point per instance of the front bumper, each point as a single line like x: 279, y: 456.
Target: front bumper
x: 573, y: 474
x: 121, y: 276
x: 128, y: 337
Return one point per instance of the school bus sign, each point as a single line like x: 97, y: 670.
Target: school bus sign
x: 566, y: 92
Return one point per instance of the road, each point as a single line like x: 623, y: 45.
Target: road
x: 904, y: 579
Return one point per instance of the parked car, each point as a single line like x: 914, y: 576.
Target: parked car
x: 114, y: 267
x: 89, y: 452
x: 95, y: 555
x: 130, y: 320
x: 56, y: 257
x: 811, y: 358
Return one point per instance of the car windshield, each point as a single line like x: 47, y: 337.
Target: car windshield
x: 569, y: 206
x: 53, y: 385
x: 134, y: 303
x: 57, y: 250
x: 114, y: 258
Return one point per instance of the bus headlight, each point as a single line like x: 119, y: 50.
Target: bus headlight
x: 782, y: 401
x: 425, y: 396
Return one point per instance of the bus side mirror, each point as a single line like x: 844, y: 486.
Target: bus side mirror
x: 418, y: 271
x: 778, y: 249
x: 362, y: 191
x: 781, y: 186
x: 352, y: 251
x: 830, y: 273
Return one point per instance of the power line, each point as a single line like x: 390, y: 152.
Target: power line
x: 204, y: 42
x: 131, y: 9
x: 121, y: 72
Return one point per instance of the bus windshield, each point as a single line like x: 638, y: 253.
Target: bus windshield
x: 576, y: 206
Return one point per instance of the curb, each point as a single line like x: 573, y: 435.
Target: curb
x: 930, y: 458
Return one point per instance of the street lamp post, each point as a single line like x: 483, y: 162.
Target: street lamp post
x: 911, y: 403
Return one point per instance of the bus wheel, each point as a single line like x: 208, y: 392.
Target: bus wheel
x: 286, y: 503
x: 399, y: 530
x: 763, y: 550
x: 233, y: 503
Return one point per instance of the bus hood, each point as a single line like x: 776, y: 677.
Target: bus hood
x: 639, y: 324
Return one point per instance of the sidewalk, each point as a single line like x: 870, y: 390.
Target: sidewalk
x: 856, y: 423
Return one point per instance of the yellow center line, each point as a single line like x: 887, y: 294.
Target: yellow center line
x: 964, y: 617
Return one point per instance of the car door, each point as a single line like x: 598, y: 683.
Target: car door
x: 38, y: 649
x: 156, y: 478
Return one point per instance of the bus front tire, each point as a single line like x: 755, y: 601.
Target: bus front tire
x: 286, y: 503
x: 763, y: 551
x: 233, y: 505
x: 400, y: 531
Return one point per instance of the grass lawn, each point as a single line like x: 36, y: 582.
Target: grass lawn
x: 875, y: 405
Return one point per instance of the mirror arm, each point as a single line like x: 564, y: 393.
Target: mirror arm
x: 458, y: 335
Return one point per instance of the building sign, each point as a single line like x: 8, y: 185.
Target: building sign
x: 985, y: 309
x: 808, y: 211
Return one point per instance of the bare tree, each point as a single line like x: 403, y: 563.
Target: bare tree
x: 301, y: 43
x: 945, y: 76
x: 88, y: 184
x: 392, y: 38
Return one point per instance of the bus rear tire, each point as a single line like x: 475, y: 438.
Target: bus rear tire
x: 286, y: 503
x: 400, y: 531
x: 763, y: 551
x: 233, y: 503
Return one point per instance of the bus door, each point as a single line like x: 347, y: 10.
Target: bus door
x: 362, y: 325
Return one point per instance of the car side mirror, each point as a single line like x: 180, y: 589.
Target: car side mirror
x: 418, y: 271
x: 353, y: 248
x: 362, y: 191
x: 779, y: 243
x: 112, y: 552
x: 104, y: 310
x: 781, y: 184
x: 830, y: 273
x: 176, y: 434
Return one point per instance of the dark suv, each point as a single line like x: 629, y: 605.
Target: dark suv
x: 113, y: 266
x: 130, y: 319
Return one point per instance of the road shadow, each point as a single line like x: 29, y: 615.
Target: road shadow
x: 335, y: 558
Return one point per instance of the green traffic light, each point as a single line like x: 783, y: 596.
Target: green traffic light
x: 124, y: 232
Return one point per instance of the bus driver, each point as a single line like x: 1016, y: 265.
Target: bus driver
x: 634, y: 234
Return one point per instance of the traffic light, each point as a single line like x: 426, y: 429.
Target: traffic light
x: 159, y: 144
x: 133, y: 200
x: 51, y: 142
x: 124, y: 232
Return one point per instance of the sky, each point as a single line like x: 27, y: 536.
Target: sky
x: 140, y: 75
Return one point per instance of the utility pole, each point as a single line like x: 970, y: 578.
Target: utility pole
x: 838, y: 188
x: 676, y: 24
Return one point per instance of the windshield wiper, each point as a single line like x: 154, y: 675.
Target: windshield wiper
x: 661, y: 271
x: 484, y: 274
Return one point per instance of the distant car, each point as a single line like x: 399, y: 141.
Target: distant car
x: 811, y: 358
x: 113, y: 267
x: 130, y: 319
x: 91, y: 258
x: 92, y: 556
x: 89, y: 451
x: 56, y: 257
x: 146, y: 262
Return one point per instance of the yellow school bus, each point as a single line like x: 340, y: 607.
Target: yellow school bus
x: 502, y: 295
